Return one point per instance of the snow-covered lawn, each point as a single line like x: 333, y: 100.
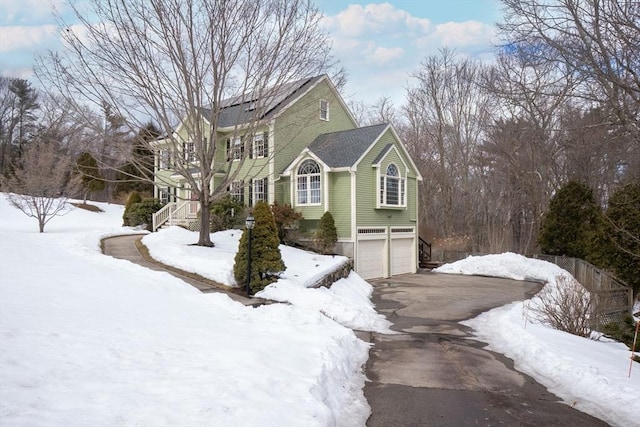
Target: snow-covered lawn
x: 86, y: 339
x: 89, y: 340
x: 590, y: 375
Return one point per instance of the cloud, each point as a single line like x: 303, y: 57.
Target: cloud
x: 15, y: 12
x: 385, y: 55
x: 16, y: 38
x: 459, y: 35
x: 357, y: 20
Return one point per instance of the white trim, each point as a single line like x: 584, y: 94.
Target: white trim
x: 354, y: 208
x: 325, y: 190
x: 271, y: 161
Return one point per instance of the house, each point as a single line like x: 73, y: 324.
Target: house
x: 308, y: 151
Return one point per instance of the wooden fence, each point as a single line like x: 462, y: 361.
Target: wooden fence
x: 612, y: 299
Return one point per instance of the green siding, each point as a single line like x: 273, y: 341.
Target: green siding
x: 340, y: 202
x: 367, y: 188
x: 298, y: 126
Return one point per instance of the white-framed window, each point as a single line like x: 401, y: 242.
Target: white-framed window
x: 308, y: 188
x: 236, y: 190
x: 392, y: 187
x: 324, y: 110
x: 258, y: 190
x: 164, y: 159
x: 164, y: 195
x: 190, y: 152
x: 235, y: 148
x: 260, y: 146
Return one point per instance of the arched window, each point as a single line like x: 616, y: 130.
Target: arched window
x: 308, y: 183
x: 392, y: 187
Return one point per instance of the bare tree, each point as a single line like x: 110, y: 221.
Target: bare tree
x: 446, y: 111
x: 596, y: 42
x: 39, y: 184
x: 178, y: 60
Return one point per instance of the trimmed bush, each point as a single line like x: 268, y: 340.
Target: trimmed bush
x: 134, y: 198
x: 142, y: 213
x: 326, y: 235
x: 225, y: 213
x: 266, y: 260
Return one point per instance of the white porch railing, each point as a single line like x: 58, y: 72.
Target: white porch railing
x: 177, y: 213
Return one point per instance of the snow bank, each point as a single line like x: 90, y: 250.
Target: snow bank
x: 87, y: 339
x: 590, y: 375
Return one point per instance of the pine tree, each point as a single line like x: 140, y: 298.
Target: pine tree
x: 326, y: 234
x: 92, y: 181
x: 621, y: 247
x: 572, y: 222
x: 266, y: 260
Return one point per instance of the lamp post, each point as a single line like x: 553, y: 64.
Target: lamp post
x: 250, y: 222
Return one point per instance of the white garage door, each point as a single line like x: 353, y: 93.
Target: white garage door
x: 371, y: 252
x: 401, y: 256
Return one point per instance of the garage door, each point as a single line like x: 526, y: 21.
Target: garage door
x: 401, y: 256
x: 371, y: 252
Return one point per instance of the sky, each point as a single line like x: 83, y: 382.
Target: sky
x: 88, y: 339
x: 380, y: 44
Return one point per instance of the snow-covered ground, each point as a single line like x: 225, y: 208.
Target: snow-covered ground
x: 86, y: 339
x: 590, y: 375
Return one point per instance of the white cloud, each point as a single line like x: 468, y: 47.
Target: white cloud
x: 460, y: 34
x: 357, y: 20
x: 22, y: 11
x: 385, y: 55
x: 17, y: 37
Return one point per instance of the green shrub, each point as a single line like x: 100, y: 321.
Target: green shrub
x: 266, y: 260
x: 285, y: 218
x: 134, y: 198
x: 142, y: 213
x: 326, y: 235
x: 225, y: 213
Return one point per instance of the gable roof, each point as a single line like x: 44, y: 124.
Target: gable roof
x: 344, y: 148
x: 246, y: 108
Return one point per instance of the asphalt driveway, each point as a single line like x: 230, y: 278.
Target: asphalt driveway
x: 433, y: 373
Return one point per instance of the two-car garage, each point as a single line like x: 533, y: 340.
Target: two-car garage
x: 385, y: 251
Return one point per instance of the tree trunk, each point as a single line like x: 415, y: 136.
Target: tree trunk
x: 205, y: 236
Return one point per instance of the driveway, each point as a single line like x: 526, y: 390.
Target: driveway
x: 433, y: 373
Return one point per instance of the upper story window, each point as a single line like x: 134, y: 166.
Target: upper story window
x: 260, y: 146
x: 235, y: 148
x: 392, y: 187
x: 164, y: 159
x: 324, y: 110
x: 190, y: 152
x: 308, y: 183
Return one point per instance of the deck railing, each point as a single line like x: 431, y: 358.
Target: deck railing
x: 177, y: 213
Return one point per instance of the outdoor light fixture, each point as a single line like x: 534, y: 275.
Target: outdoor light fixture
x: 249, y: 223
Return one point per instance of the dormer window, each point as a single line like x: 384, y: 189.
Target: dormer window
x: 392, y: 187
x: 324, y: 110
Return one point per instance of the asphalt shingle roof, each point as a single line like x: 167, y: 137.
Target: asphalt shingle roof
x: 344, y: 148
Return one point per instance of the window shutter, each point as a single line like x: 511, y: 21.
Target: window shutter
x: 250, y: 146
x: 250, y: 193
x: 266, y: 144
x: 265, y: 186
